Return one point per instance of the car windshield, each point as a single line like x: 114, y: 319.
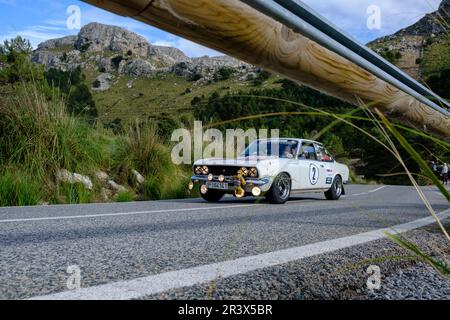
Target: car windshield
x: 279, y: 148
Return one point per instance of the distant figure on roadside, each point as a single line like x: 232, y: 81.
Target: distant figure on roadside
x: 444, y: 174
x: 434, y: 167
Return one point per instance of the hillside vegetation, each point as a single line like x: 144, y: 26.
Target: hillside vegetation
x: 43, y: 137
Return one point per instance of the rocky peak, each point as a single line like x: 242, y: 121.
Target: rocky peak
x: 409, y: 46
x: 175, y: 55
x: 95, y: 37
x: 112, y: 50
x: 433, y: 23
x: 68, y: 41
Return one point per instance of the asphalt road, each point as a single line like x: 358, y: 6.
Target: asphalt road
x: 182, y: 241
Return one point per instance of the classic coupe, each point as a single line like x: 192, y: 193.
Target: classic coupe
x: 274, y: 168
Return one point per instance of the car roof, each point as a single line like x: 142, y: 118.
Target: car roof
x: 292, y: 139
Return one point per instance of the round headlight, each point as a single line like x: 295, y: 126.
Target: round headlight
x: 210, y: 177
x: 244, y: 171
x: 198, y: 170
x: 221, y: 178
x: 253, y: 172
x: 205, y: 170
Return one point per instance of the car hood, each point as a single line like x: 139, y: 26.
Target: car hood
x: 241, y: 161
x: 266, y: 165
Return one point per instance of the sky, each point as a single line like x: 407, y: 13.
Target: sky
x: 40, y: 20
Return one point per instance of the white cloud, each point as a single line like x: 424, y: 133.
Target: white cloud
x: 36, y: 34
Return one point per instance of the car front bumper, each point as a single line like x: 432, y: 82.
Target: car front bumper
x: 233, y: 183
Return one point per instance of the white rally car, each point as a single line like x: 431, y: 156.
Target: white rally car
x: 275, y: 168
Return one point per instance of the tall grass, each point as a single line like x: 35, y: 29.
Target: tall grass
x: 141, y: 148
x: 18, y: 189
x: 38, y: 137
x: 37, y: 133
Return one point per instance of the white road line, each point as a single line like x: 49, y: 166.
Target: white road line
x: 380, y: 188
x: 368, y: 192
x: 127, y: 213
x: 137, y: 288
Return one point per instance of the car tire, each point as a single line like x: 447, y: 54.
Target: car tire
x: 280, y: 191
x: 213, y: 196
x: 336, y: 190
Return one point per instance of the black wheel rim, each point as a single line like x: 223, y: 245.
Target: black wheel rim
x: 284, y: 187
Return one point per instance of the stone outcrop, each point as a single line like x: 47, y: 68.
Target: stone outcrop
x: 411, y: 42
x: 96, y: 37
x: 110, y: 49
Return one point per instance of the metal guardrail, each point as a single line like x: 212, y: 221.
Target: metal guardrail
x: 299, y: 17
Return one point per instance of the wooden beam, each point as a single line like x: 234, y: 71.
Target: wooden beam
x: 238, y: 30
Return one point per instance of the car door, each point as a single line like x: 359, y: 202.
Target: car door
x: 308, y: 174
x: 325, y: 165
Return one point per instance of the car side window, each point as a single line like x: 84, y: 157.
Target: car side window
x: 307, y: 152
x: 328, y: 156
x: 323, y: 155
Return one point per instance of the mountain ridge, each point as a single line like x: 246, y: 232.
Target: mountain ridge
x: 111, y: 49
x: 421, y: 49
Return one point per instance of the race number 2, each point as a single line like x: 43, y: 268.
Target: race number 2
x: 313, y: 174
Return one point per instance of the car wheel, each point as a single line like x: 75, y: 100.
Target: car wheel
x: 280, y: 191
x: 336, y: 190
x: 212, y: 195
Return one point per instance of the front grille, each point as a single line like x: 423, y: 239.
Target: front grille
x: 224, y: 170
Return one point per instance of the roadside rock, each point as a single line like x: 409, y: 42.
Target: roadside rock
x: 102, y: 176
x: 117, y: 187
x: 72, y: 178
x: 139, y: 178
x: 106, y: 194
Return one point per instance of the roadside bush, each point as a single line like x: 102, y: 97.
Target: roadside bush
x: 17, y: 189
x: 73, y: 194
x: 141, y: 148
x: 40, y: 136
x: 81, y: 103
x: 125, y: 197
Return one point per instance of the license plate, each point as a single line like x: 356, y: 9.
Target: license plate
x: 217, y: 185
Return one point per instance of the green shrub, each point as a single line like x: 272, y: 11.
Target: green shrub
x: 261, y: 77
x: 125, y: 196
x: 40, y: 136
x: 16, y: 64
x: 141, y: 149
x: 74, y: 193
x: 152, y: 189
x: 224, y: 73
x: 18, y: 189
x: 81, y: 102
